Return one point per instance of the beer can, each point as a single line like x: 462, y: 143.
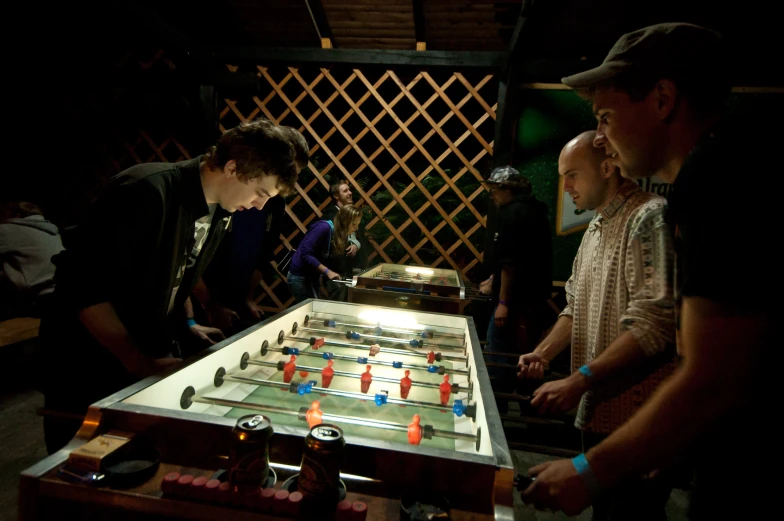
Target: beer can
x: 249, y: 452
x: 319, y: 474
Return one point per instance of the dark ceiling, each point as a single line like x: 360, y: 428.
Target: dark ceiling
x: 555, y: 31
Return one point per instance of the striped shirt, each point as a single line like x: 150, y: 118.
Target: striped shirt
x: 622, y: 281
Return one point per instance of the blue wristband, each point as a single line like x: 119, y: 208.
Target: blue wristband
x: 586, y: 371
x: 586, y: 473
x: 191, y: 322
x: 581, y: 464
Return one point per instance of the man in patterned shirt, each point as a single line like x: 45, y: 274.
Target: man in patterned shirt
x: 619, y: 317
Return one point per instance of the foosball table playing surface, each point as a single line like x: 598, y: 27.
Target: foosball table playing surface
x: 409, y: 390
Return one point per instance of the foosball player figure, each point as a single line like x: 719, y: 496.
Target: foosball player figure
x: 405, y: 385
x: 289, y: 369
x: 326, y: 374
x: 375, y: 349
x: 318, y: 342
x: 431, y: 357
x: 415, y: 431
x: 366, y: 379
x: 314, y: 414
x: 446, y: 390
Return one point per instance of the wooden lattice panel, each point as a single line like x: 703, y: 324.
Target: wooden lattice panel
x: 411, y: 148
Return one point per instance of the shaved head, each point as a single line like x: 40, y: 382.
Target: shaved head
x: 589, y: 175
x: 583, y: 145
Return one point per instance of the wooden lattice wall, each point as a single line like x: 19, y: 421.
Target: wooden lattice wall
x: 413, y: 146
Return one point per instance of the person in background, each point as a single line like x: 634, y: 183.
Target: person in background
x: 619, y: 318
x: 131, y: 264
x: 522, y: 276
x: 27, y: 244
x: 341, y: 195
x: 309, y: 261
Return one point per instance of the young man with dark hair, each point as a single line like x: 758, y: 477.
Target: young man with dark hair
x: 658, y: 98
x: 226, y: 293
x: 130, y: 265
x: 522, y: 276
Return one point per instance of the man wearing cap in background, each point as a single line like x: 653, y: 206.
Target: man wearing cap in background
x: 619, y: 317
x: 658, y: 98
x: 522, y: 276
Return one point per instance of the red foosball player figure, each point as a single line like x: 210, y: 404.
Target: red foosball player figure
x: 289, y: 368
x: 314, y: 414
x: 431, y: 357
x: 375, y: 349
x: 326, y: 374
x: 446, y: 390
x: 414, y: 431
x: 405, y: 385
x: 366, y: 379
x: 318, y: 343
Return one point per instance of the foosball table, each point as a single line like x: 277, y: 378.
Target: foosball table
x: 411, y: 287
x: 408, y: 391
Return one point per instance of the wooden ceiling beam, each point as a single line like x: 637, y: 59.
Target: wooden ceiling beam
x: 320, y: 22
x: 419, y: 24
x: 291, y: 56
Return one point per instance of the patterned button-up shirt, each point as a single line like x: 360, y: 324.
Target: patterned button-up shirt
x: 622, y: 281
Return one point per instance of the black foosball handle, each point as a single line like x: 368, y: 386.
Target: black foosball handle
x: 522, y: 482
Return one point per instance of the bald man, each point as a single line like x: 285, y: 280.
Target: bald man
x: 619, y: 317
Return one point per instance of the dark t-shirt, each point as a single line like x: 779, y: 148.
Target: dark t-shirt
x: 522, y: 239
x: 724, y: 234
x: 249, y: 246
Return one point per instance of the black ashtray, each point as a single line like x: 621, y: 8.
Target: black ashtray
x: 291, y: 484
x: 423, y: 507
x: 132, y: 466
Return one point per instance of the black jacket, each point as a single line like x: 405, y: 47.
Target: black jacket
x: 127, y: 251
x: 523, y: 240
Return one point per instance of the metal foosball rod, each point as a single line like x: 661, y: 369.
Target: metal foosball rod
x: 419, y: 344
x: 440, y: 369
x: 424, y: 333
x: 190, y: 397
x: 307, y: 388
x: 364, y: 347
x: 455, y: 388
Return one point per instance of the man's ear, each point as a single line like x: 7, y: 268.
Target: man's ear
x: 664, y: 99
x: 607, y: 168
x: 230, y: 168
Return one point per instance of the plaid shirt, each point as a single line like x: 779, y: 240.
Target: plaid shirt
x: 622, y: 281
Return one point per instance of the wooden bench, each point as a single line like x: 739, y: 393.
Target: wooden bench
x: 18, y: 330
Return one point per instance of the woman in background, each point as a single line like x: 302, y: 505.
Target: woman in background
x: 322, y: 237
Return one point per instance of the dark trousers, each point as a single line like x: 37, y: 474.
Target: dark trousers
x: 520, y: 335
x: 300, y: 287
x: 641, y: 499
x: 59, y: 430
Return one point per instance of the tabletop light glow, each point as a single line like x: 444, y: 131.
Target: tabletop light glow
x: 421, y: 271
x: 389, y: 318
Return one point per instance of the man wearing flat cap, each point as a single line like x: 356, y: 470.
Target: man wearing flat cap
x: 522, y: 275
x: 658, y: 98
